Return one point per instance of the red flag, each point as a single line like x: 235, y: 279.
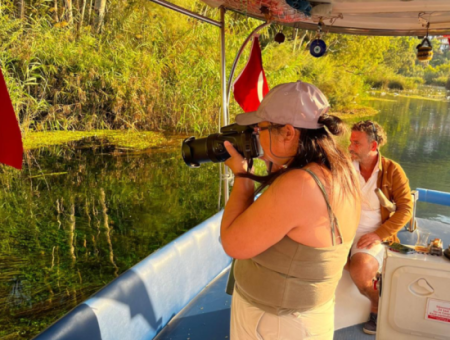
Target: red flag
x: 251, y: 86
x: 11, y: 148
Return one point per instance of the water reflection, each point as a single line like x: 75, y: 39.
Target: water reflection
x: 78, y: 216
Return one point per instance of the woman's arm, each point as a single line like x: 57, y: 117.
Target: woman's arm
x: 250, y: 228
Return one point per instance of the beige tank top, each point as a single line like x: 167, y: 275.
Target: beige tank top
x: 291, y: 277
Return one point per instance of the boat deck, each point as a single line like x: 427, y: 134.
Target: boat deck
x: 208, y: 315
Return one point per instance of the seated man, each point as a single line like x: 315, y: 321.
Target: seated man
x: 377, y: 223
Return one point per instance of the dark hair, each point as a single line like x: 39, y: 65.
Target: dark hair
x: 373, y: 130
x: 318, y: 146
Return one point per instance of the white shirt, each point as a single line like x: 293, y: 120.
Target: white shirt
x: 370, y: 205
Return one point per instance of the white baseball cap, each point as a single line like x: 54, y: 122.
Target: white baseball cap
x: 298, y: 104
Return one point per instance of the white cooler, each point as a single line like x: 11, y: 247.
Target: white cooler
x: 415, y: 300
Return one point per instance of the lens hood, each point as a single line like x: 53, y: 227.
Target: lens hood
x: 187, y: 153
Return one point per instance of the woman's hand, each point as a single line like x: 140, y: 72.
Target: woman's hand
x: 236, y: 162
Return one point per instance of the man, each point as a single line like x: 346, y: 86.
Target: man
x: 377, y: 223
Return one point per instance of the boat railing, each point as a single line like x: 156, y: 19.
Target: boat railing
x: 433, y: 196
x: 427, y: 196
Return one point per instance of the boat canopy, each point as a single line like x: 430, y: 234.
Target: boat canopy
x: 364, y: 17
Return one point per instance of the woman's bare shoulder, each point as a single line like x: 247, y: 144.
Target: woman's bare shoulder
x: 295, y: 181
x: 292, y: 177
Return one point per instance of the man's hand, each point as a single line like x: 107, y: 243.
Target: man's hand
x: 368, y: 241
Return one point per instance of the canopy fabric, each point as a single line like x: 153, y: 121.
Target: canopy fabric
x: 365, y: 17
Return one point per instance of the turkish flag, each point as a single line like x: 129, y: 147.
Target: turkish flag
x: 251, y: 86
x: 11, y: 148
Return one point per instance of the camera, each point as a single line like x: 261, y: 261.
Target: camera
x: 211, y: 148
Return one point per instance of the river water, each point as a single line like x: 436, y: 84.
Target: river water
x: 79, y: 215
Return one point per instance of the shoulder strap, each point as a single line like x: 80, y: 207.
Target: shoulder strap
x: 333, y: 218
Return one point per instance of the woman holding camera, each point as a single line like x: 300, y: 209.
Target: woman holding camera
x: 292, y: 243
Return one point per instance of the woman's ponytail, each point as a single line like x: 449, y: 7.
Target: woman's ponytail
x: 333, y: 124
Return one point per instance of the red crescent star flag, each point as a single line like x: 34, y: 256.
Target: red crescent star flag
x: 251, y: 86
x: 11, y: 148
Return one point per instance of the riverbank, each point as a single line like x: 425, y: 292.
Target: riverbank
x: 357, y: 112
x: 432, y: 93
x: 124, y: 139
x: 138, y: 140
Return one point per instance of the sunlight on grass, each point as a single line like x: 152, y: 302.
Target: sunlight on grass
x: 357, y: 112
x: 126, y: 139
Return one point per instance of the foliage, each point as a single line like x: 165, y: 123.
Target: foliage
x: 154, y: 69
x: 385, y: 78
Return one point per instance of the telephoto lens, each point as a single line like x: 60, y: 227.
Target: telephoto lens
x: 212, y: 149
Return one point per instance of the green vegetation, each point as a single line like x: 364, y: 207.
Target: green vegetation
x: 356, y: 112
x: 139, y: 66
x: 122, y: 139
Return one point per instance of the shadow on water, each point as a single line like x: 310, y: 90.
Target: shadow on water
x: 81, y: 214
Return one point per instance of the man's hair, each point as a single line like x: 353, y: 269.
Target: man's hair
x: 373, y: 130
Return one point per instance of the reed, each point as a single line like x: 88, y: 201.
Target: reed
x: 152, y: 69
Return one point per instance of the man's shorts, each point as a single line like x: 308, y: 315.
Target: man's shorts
x: 376, y: 251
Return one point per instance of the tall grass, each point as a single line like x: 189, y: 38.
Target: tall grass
x: 387, y: 79
x: 154, y: 69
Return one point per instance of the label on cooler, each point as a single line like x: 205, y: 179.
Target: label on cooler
x: 438, y: 310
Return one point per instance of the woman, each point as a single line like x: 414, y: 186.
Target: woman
x: 292, y: 243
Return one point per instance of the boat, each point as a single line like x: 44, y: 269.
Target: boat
x: 178, y: 292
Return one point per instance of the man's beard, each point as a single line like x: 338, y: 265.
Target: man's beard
x: 355, y: 157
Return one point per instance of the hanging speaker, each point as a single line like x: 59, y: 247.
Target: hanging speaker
x: 425, y: 50
x: 318, y: 48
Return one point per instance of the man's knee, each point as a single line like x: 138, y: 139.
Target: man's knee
x: 363, y: 268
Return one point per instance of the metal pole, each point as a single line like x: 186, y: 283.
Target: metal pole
x: 223, y: 78
x: 187, y: 12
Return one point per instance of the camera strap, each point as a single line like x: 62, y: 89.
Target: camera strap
x: 249, y: 164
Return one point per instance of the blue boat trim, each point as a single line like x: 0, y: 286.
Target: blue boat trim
x: 433, y: 196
